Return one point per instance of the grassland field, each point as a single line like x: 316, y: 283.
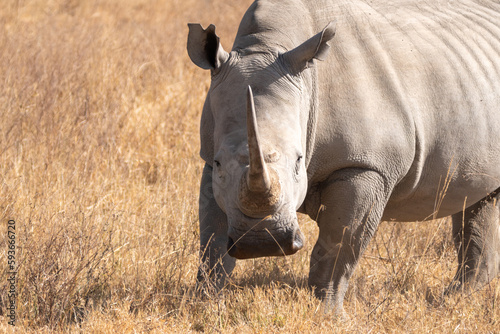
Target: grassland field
x: 99, y: 170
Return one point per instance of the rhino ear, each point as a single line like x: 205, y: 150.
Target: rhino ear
x: 315, y: 47
x: 204, y: 47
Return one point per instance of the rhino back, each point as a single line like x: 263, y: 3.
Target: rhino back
x: 412, y: 89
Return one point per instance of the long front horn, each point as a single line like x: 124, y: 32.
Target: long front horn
x: 258, y: 175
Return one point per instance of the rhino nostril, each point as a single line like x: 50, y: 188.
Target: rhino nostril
x: 230, y: 246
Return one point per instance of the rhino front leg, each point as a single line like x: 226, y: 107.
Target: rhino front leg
x: 476, y: 233
x: 354, y: 201
x: 215, y: 265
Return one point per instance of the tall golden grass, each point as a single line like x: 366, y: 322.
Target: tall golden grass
x: 99, y: 168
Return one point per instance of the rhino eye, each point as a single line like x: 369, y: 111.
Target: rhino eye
x: 217, y: 163
x: 297, y: 164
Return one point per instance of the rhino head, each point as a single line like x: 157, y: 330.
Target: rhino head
x: 254, y: 134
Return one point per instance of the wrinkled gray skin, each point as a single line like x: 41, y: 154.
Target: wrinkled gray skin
x: 362, y: 113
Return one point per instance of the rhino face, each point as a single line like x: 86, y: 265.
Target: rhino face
x: 259, y: 179
x: 258, y: 110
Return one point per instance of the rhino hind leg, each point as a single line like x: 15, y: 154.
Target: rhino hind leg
x: 215, y: 264
x: 476, y: 233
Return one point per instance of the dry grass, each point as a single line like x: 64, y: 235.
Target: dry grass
x: 99, y: 167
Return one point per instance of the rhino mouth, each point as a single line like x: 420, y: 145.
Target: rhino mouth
x: 264, y: 243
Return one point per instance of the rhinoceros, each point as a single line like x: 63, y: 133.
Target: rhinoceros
x: 352, y: 112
